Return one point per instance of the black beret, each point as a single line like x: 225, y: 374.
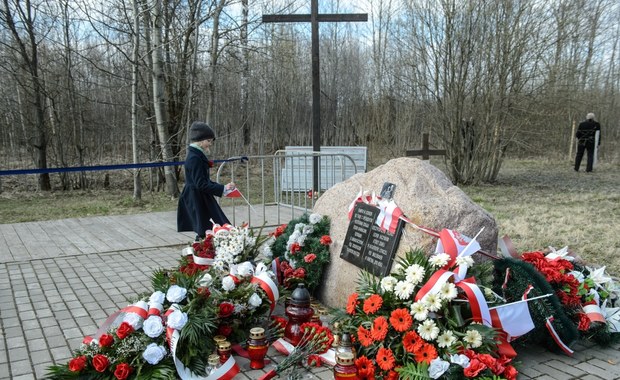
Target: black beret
x: 200, y: 131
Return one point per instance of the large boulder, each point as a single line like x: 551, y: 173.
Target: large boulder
x: 425, y: 195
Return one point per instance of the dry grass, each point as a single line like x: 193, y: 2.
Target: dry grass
x: 541, y: 203
x: 537, y: 203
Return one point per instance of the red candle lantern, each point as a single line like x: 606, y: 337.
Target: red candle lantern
x: 257, y: 348
x: 298, y: 312
x: 345, y: 367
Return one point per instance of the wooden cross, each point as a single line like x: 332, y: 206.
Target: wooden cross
x: 425, y: 152
x: 314, y: 18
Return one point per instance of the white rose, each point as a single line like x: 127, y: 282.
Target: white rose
x: 177, y: 320
x: 153, y: 353
x: 437, y: 368
x: 134, y: 320
x: 153, y: 326
x: 205, y: 280
x: 157, y: 297
x: 176, y: 293
x: 228, y: 283
x: 245, y: 269
x: 255, y: 300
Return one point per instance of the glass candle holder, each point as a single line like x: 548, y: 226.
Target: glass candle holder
x: 223, y: 350
x: 345, y: 367
x: 257, y: 347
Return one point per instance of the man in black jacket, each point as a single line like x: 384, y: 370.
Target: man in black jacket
x: 586, y: 134
x: 198, y: 209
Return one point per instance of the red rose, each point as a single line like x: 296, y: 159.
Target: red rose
x: 224, y: 330
x: 77, y: 364
x: 510, y: 373
x: 226, y: 309
x: 325, y: 240
x: 100, y: 362
x: 309, y: 257
x: 124, y: 330
x: 474, y: 368
x: 584, y: 322
x: 123, y: 371
x: 106, y: 340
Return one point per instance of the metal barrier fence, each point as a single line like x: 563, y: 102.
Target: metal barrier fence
x: 281, y: 184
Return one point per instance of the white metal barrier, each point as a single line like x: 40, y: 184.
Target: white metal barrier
x: 278, y: 187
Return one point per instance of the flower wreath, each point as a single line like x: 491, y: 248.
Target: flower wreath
x: 302, y: 247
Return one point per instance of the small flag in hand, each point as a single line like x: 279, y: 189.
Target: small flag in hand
x: 235, y: 193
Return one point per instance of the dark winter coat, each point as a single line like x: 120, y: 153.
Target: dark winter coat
x: 586, y: 132
x: 197, y: 204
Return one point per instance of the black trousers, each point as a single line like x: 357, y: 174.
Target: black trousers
x: 581, y: 148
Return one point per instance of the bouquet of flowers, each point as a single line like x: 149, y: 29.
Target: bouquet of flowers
x: 402, y: 335
x: 168, y: 331
x: 302, y: 247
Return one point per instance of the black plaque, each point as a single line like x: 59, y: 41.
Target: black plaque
x: 366, y: 245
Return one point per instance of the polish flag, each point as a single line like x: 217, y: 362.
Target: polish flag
x: 389, y: 216
x: 455, y: 244
x: 234, y: 194
x: 514, y: 318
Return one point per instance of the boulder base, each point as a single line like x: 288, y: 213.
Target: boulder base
x: 425, y: 195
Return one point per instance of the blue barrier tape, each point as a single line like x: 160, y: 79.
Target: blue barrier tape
x: 105, y: 167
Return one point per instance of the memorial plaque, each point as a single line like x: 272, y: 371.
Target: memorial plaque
x: 387, y: 192
x: 366, y: 245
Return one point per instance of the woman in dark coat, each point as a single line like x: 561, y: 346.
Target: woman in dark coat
x: 198, y: 209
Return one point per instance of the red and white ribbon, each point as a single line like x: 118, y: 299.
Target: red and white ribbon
x: 271, y: 289
x: 556, y: 337
x: 594, y: 313
x: 479, y: 307
x: 434, y: 284
x: 285, y: 348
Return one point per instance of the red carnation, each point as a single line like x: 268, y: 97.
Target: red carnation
x: 77, y: 364
x: 100, y: 362
x: 309, y: 257
x: 326, y: 240
x: 225, y: 330
x: 279, y: 230
x: 124, y: 330
x: 295, y: 247
x: 122, y: 371
x: 474, y: 368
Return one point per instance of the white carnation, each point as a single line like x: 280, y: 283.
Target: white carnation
x: 314, y: 218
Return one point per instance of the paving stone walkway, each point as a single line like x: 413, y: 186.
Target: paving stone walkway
x: 59, y: 280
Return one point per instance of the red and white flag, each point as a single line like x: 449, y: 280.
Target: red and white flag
x: 513, y: 318
x: 235, y: 193
x: 388, y: 216
x: 455, y: 244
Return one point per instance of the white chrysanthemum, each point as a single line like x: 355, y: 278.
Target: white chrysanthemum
x: 419, y: 311
x: 428, y: 330
x: 432, y: 301
x: 388, y: 283
x: 473, y: 339
x: 414, y: 274
x: 439, y: 260
x: 403, y: 289
x: 397, y: 268
x: 314, y: 218
x: 465, y: 260
x: 307, y: 230
x: 448, y: 291
x: 446, y: 339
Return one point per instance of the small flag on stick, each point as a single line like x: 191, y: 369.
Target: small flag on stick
x: 235, y: 193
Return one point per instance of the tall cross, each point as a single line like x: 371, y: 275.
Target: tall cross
x: 314, y: 18
x: 426, y: 152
